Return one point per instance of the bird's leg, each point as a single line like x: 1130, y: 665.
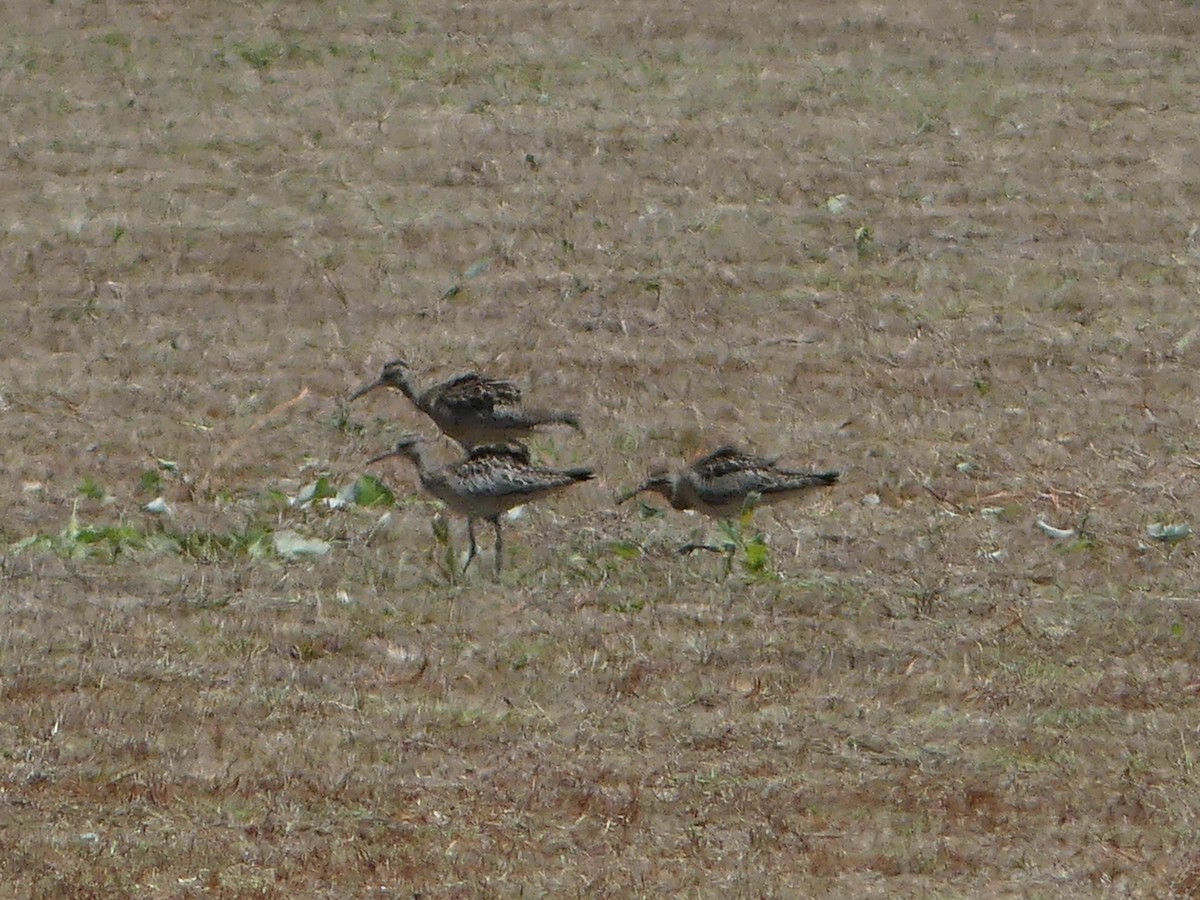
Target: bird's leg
x: 499, y: 544
x: 685, y: 549
x: 471, y: 535
x: 441, y: 534
x: 726, y: 555
x: 697, y: 543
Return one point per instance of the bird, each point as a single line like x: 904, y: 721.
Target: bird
x: 726, y: 482
x: 471, y: 408
x: 486, y: 483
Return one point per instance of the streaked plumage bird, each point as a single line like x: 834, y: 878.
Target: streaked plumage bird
x: 489, y: 481
x: 471, y: 408
x: 723, y: 482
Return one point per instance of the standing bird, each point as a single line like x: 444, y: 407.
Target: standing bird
x: 489, y: 481
x: 471, y: 408
x: 726, y: 482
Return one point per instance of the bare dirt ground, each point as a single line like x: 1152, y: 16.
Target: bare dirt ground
x: 948, y: 249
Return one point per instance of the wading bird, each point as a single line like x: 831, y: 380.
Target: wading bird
x: 471, y: 408
x: 489, y: 481
x: 726, y: 482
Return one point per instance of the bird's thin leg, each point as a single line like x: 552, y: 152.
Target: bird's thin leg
x: 499, y: 544
x: 471, y: 535
x: 685, y: 549
x: 728, y: 568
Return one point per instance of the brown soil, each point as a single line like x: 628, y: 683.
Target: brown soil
x: 951, y: 252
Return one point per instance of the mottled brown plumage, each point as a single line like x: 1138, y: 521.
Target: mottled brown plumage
x: 486, y: 483
x: 471, y: 408
x: 721, y: 483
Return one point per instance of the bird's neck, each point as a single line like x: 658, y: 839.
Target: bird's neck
x: 432, y: 478
x: 404, y: 382
x: 435, y: 480
x: 416, y: 455
x: 682, y: 492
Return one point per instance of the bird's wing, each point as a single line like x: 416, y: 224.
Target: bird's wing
x: 728, y: 460
x: 792, y: 477
x: 513, y: 453
x: 767, y: 481
x: 474, y: 392
x: 504, y: 475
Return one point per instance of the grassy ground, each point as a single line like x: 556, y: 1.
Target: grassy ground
x: 947, y: 249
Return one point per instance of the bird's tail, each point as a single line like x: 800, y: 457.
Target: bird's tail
x: 580, y: 474
x: 562, y: 417
x: 792, y: 480
x: 823, y: 479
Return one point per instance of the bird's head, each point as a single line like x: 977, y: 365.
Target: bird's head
x: 660, y: 481
x: 408, y: 446
x: 394, y: 375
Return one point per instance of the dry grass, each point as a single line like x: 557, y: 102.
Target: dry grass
x: 212, y: 207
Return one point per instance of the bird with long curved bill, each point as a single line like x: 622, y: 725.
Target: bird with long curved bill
x: 471, y: 408
x: 725, y: 483
x: 486, y: 483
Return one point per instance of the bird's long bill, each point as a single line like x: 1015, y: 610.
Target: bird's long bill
x: 367, y: 388
x: 382, y: 456
x: 630, y: 494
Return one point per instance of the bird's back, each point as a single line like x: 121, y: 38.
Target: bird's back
x: 471, y: 393
x: 721, y: 482
x: 729, y: 460
x: 497, y: 477
x: 474, y: 409
x: 509, y: 453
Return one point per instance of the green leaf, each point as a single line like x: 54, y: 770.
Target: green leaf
x: 260, y: 56
x: 757, y: 554
x: 257, y: 543
x: 747, y: 515
x: 369, y: 491
x: 150, y: 482
x: 625, y: 550
x: 90, y: 488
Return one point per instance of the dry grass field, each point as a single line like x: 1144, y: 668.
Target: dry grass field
x: 949, y: 249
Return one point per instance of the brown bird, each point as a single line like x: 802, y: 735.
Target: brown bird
x: 489, y: 481
x: 728, y: 481
x: 471, y: 408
